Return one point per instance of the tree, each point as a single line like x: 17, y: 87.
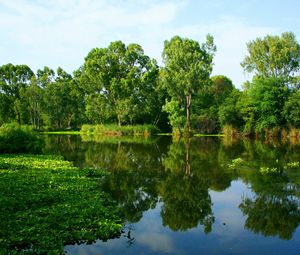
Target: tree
x: 207, y: 104
x: 12, y: 80
x: 33, y: 98
x: 267, y: 97
x: 122, y: 77
x: 63, y: 100
x: 292, y: 109
x: 274, y: 56
x: 230, y: 110
x: 221, y: 88
x: 187, y: 69
x: 45, y: 76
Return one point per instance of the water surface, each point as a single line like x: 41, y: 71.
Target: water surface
x: 187, y: 197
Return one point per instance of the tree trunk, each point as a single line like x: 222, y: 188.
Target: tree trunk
x: 119, y: 120
x: 188, y: 114
x: 187, y: 157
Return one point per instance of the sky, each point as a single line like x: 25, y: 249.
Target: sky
x: 57, y: 33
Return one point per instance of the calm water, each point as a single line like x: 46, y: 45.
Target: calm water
x: 185, y: 197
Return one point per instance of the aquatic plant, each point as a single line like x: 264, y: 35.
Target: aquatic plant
x: 292, y: 165
x: 235, y: 163
x: 268, y: 170
x: 47, y: 203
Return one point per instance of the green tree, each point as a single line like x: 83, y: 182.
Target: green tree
x: 45, y: 76
x: 274, y: 56
x: 267, y: 97
x: 122, y: 79
x: 207, y: 104
x: 221, y: 88
x: 33, y: 97
x: 229, y: 112
x: 187, y: 68
x: 12, y: 79
x: 292, y: 109
x: 63, y: 100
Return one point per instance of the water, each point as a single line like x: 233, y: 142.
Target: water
x: 187, y: 197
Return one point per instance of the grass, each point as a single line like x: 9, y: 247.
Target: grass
x: 19, y: 139
x: 115, y: 130
x: 208, y: 135
x: 62, y: 132
x: 47, y: 203
x: 116, y: 139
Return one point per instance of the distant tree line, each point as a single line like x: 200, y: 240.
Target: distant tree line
x: 120, y: 84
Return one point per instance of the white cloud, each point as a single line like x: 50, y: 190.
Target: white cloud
x: 62, y: 32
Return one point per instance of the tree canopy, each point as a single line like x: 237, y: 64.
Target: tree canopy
x: 274, y: 56
x: 187, y: 69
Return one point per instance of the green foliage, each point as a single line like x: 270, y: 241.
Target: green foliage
x: 269, y: 170
x: 121, y: 84
x: 235, y: 163
x: 87, y: 128
x: 47, y: 203
x: 114, y: 129
x: 13, y: 78
x: 187, y: 68
x: 273, y: 56
x: 230, y: 112
x: 266, y: 97
x: 176, y: 114
x: 295, y: 164
x: 291, y: 109
x: 221, y: 88
x: 19, y: 139
x: 63, y: 102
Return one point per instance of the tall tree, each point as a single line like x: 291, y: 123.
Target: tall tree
x: 33, y: 99
x: 187, y: 69
x: 266, y: 97
x: 63, y: 101
x: 122, y: 79
x: 274, y: 56
x: 12, y: 79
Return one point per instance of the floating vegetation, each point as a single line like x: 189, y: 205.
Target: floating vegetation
x: 235, y: 163
x: 47, y: 203
x: 268, y: 170
x: 292, y: 165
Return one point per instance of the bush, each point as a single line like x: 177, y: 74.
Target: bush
x: 230, y: 131
x: 87, y: 128
x: 19, y: 139
x: 115, y: 130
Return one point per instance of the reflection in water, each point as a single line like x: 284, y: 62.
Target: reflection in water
x: 177, y: 177
x: 272, y: 215
x: 184, y: 192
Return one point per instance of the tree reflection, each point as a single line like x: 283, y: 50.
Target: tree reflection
x: 187, y: 202
x: 180, y: 174
x: 134, y: 177
x: 274, y: 211
x: 271, y: 215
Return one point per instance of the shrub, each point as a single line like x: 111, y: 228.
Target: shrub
x: 87, y: 128
x: 19, y: 139
x: 230, y: 131
x: 294, y: 133
x: 115, y: 130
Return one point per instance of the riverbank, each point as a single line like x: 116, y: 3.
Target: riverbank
x: 47, y: 203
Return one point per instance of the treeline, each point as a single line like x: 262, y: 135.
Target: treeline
x: 120, y: 84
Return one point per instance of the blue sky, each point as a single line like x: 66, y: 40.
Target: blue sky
x: 61, y: 32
